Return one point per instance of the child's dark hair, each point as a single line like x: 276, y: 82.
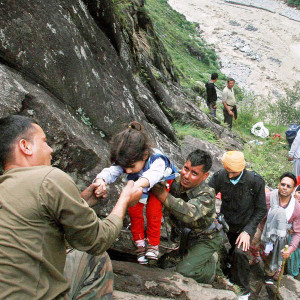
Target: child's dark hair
x: 130, y: 145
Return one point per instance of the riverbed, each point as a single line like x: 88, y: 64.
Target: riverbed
x: 258, y: 47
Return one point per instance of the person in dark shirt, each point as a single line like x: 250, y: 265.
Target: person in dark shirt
x: 243, y: 206
x: 212, y: 94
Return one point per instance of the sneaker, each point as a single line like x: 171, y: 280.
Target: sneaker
x: 269, y: 280
x: 244, y: 297
x: 141, y: 251
x: 152, y: 252
x: 141, y: 258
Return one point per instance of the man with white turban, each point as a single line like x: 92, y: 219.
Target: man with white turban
x: 243, y: 206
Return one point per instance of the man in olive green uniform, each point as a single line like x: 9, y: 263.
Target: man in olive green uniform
x: 191, y: 203
x: 40, y: 208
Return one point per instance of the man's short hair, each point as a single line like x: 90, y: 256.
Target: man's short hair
x: 214, y: 76
x: 290, y: 175
x: 12, y: 128
x: 200, y: 158
x: 230, y: 79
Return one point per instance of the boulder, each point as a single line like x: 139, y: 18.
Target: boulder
x: 154, y: 282
x: 190, y: 144
x: 86, y: 68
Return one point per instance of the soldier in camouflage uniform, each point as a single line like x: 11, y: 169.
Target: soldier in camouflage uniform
x: 192, y: 206
x: 90, y: 276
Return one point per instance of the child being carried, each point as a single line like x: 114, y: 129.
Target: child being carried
x: 132, y: 153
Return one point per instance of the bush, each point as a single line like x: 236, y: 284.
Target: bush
x: 287, y: 109
x: 269, y: 160
x: 294, y: 3
x: 249, y: 112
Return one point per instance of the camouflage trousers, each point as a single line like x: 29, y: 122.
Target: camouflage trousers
x: 201, y: 261
x: 90, y: 277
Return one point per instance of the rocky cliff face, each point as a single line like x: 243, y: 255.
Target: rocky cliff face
x: 83, y: 69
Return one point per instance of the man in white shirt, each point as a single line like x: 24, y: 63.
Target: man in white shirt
x: 229, y: 102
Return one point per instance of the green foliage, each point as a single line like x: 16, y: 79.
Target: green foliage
x: 190, y: 54
x: 120, y: 8
x: 287, y: 109
x: 295, y: 3
x: 183, y: 130
x: 249, y: 113
x: 269, y: 159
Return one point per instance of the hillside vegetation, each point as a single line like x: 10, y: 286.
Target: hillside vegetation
x: 195, y: 61
x: 295, y: 3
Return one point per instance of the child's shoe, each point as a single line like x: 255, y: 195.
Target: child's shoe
x: 140, y: 252
x: 152, y: 252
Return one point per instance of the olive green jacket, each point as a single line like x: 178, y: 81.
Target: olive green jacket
x: 40, y: 207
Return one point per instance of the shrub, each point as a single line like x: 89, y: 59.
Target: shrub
x: 287, y: 109
x: 295, y: 3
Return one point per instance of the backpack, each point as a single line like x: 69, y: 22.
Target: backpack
x: 291, y: 133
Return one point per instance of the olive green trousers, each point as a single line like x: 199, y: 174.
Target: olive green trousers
x: 202, y: 260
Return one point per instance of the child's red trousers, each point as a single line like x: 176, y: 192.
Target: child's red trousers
x: 153, y: 215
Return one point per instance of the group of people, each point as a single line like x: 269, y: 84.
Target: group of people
x: 44, y: 218
x: 228, y: 99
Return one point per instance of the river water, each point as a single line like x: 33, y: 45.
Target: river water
x: 259, y: 48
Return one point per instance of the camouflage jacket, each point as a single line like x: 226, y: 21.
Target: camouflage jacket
x: 194, y: 208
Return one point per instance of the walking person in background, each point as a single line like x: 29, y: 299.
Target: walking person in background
x: 229, y: 102
x: 294, y: 154
x: 211, y: 93
x: 132, y: 153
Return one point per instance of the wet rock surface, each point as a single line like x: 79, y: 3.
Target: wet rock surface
x: 84, y: 73
x: 158, y: 283
x: 149, y: 281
